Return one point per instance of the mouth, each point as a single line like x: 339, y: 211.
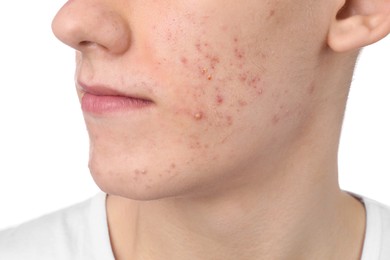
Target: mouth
x: 102, y: 100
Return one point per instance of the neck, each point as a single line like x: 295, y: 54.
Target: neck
x: 289, y: 216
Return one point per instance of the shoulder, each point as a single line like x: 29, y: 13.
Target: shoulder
x: 377, y: 237
x: 76, y: 232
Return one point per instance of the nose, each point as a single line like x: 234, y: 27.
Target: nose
x: 89, y: 24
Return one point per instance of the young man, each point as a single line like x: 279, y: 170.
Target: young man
x: 214, y: 130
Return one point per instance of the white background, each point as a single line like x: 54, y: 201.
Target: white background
x: 44, y: 144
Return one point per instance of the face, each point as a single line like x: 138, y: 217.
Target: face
x: 188, y: 97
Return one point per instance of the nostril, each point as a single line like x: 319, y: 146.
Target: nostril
x: 90, y: 44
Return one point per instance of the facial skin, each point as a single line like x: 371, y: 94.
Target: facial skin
x: 228, y: 87
x: 230, y: 149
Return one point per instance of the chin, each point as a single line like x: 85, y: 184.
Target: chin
x: 134, y: 183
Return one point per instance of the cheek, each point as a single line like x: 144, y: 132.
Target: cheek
x: 215, y: 88
x: 208, y: 73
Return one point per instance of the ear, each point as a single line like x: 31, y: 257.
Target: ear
x: 359, y: 23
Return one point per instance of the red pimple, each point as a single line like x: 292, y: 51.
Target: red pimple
x: 184, y: 60
x: 243, y: 77
x: 215, y: 60
x: 239, y: 53
x: 219, y: 99
x: 229, y: 120
x: 242, y: 103
x: 198, y: 47
x: 254, y: 81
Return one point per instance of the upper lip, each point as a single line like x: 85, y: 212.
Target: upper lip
x: 103, y: 90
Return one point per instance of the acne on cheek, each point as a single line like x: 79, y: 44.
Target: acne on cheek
x: 208, y: 60
x: 208, y: 66
x: 219, y: 99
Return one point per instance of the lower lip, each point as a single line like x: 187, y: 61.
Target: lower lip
x: 100, y: 105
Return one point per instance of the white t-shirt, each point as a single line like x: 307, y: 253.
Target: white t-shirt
x: 80, y: 232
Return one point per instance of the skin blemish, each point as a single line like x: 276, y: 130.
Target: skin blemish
x: 198, y: 116
x: 219, y: 99
x: 184, y: 60
x: 239, y: 53
x: 275, y: 119
x: 138, y: 172
x: 173, y: 166
x: 224, y: 28
x: 196, y: 145
x: 242, y: 103
x: 214, y: 60
x: 271, y: 13
x: 243, y: 77
x: 209, y: 77
x: 239, y: 56
x: 198, y: 47
x: 169, y: 35
x: 255, y: 83
x: 229, y: 120
x: 311, y: 88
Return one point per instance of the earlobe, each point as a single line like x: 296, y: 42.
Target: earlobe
x: 364, y: 25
